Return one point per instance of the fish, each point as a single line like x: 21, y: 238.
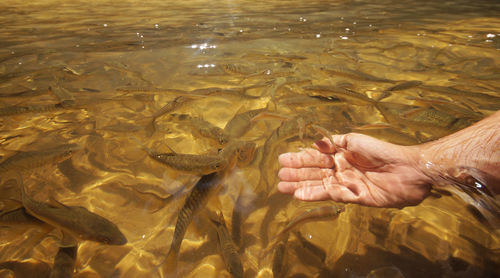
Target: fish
x: 238, y: 152
x: 240, y: 123
x: 76, y: 221
x: 33, y: 159
x: 229, y: 254
x: 288, y: 129
x: 306, y: 100
x: 429, y: 116
x: 208, y: 130
x: 196, y: 199
x: 404, y: 85
x: 388, y: 133
x: 279, y: 259
x: 341, y: 93
x: 170, y: 106
x: 64, y: 262
x: 203, y: 164
x: 450, y: 91
x: 236, y: 222
x: 16, y: 110
x: 355, y: 74
x: 66, y: 97
x: 198, y: 164
x: 238, y: 93
x: 313, y: 214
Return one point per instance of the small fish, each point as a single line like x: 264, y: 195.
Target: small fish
x: 387, y: 132
x: 240, y: 123
x: 430, y: 116
x: 238, y: 93
x: 450, y: 91
x: 66, y: 97
x: 236, y: 222
x: 279, y: 259
x: 227, y: 247
x: 237, y: 69
x: 16, y: 110
x: 355, y: 74
x: 313, y: 214
x: 77, y: 221
x: 71, y: 70
x: 239, y: 152
x: 405, y: 85
x: 196, y: 199
x: 340, y: 92
x: 33, y: 159
x: 201, y: 164
x: 208, y: 130
x: 64, y: 262
x: 288, y: 129
x: 170, y: 106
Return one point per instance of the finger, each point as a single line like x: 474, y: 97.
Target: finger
x: 289, y: 187
x: 315, y: 193
x: 341, y: 140
x: 325, y: 146
x: 301, y: 174
x: 334, y: 192
x: 306, y: 158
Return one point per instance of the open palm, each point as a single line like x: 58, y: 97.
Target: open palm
x: 355, y: 168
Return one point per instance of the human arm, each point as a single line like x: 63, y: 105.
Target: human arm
x: 364, y: 170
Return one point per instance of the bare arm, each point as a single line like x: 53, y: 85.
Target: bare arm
x: 477, y: 146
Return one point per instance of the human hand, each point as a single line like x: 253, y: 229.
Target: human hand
x: 355, y: 168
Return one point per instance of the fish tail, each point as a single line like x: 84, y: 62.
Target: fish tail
x: 144, y: 147
x: 168, y: 268
x: 150, y: 127
x: 21, y: 186
x: 218, y: 219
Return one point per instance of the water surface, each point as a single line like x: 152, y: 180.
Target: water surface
x: 431, y: 68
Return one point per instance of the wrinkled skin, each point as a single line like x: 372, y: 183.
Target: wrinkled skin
x: 355, y: 169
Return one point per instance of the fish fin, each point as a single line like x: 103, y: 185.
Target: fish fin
x: 302, y: 128
x: 24, y: 196
x: 172, y: 150
x: 150, y: 127
x: 67, y: 240
x: 15, y: 204
x: 215, y: 217
x: 55, y: 203
x: 148, y: 150
x: 383, y: 95
x: 270, y: 115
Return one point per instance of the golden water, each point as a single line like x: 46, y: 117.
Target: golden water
x: 124, y: 60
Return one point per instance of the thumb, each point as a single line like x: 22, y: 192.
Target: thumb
x: 362, y: 150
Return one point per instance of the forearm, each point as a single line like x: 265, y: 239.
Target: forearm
x: 477, y: 146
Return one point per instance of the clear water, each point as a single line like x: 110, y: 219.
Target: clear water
x: 122, y: 61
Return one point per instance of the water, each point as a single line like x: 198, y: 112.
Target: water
x: 120, y: 62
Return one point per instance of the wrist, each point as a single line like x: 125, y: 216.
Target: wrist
x: 422, y: 158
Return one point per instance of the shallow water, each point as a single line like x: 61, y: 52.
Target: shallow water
x: 112, y: 66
